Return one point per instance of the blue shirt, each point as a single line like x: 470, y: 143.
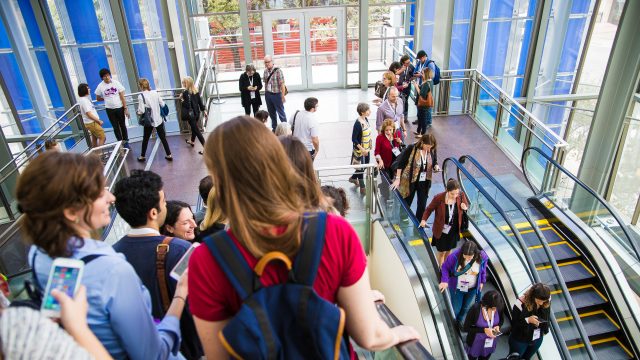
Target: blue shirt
x: 119, y: 305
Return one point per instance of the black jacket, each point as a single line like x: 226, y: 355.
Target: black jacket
x: 193, y: 101
x: 404, y: 159
x: 245, y: 95
x: 523, y: 331
x: 470, y: 323
x: 407, y: 78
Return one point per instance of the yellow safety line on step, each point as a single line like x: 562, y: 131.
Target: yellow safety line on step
x: 567, y: 264
x: 416, y: 242
x: 581, y: 287
x: 602, y: 341
x: 592, y: 313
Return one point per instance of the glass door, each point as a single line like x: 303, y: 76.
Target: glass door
x: 308, y: 46
x: 325, y: 32
x: 284, y: 40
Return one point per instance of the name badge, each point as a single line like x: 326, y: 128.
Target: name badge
x: 536, y: 334
x: 488, y: 343
x: 423, y: 176
x: 395, y: 151
x: 446, y: 229
x: 252, y: 94
x: 463, y: 285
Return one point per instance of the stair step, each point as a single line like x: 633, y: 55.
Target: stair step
x: 583, y: 296
x: 560, y: 250
x: 571, y: 271
x: 595, y: 323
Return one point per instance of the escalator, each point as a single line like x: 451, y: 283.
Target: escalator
x: 550, y: 245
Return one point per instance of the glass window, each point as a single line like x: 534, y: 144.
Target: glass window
x: 626, y: 187
x: 388, y: 34
x: 149, y: 40
x: 599, y: 47
x: 353, y: 46
x: 459, y: 41
x: 428, y: 23
x: 563, y: 44
x: 506, y: 38
x: 275, y: 4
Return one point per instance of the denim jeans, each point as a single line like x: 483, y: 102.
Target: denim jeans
x: 275, y: 107
x: 525, y: 349
x: 461, y: 302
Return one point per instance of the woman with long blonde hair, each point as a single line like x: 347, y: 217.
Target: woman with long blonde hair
x: 149, y: 99
x: 264, y: 200
x: 192, y: 105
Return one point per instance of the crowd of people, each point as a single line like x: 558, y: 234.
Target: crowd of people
x: 130, y: 307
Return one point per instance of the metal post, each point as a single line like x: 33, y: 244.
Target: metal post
x: 477, y: 36
x: 9, y: 12
x: 217, y: 100
x: 246, y: 37
x: 169, y: 24
x: 124, y: 41
x: 363, y: 41
x: 443, y: 22
x: 533, y: 64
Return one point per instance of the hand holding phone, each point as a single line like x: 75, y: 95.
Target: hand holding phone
x: 65, y: 277
x: 183, y: 263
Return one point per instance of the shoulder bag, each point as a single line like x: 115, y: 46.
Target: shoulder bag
x: 161, y: 253
x: 145, y: 119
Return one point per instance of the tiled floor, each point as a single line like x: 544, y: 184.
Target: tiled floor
x: 456, y: 135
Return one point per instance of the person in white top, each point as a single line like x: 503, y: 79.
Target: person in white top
x: 90, y: 118
x: 151, y: 100
x: 304, y: 126
x: 112, y: 92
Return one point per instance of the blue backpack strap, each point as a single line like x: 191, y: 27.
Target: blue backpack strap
x: 307, y: 260
x: 235, y: 267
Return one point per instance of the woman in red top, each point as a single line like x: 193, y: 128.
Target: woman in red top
x: 263, y: 200
x: 387, y: 148
x: 449, y: 207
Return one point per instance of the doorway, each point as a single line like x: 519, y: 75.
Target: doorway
x: 308, y: 45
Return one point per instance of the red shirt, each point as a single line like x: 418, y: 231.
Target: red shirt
x: 213, y: 298
x: 385, y: 150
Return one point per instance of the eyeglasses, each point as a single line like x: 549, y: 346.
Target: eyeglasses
x: 267, y: 62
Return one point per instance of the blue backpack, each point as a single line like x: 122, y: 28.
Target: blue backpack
x: 436, y: 75
x: 283, y: 321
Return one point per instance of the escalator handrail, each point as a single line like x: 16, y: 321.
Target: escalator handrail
x: 552, y: 260
x: 432, y: 258
x: 410, y: 349
x: 529, y: 261
x: 602, y: 201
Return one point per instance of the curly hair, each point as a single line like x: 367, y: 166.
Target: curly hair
x: 136, y: 195
x: 339, y: 197
x: 51, y: 183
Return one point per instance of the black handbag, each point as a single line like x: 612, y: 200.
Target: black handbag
x: 145, y: 119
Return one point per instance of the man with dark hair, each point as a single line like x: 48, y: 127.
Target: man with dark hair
x: 112, y: 92
x: 304, y: 126
x: 404, y: 82
x: 90, y: 118
x: 140, y: 201
x: 206, y: 184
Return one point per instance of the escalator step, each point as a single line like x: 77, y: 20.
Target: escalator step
x: 595, y: 323
x: 583, y: 296
x: 560, y: 250
x: 611, y: 350
x: 571, y: 271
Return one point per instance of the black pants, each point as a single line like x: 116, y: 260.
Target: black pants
x: 405, y: 112
x: 359, y: 173
x: 247, y: 109
x: 422, y: 188
x: 195, y: 131
x: 119, y: 123
x: 161, y: 134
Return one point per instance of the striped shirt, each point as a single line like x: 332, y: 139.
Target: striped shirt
x: 274, y: 85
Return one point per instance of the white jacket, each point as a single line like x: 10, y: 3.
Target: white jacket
x: 154, y: 101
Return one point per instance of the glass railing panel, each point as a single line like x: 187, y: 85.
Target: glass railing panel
x: 413, y: 239
x: 360, y: 202
x: 487, y: 105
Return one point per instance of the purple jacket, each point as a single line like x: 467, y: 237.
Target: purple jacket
x: 449, y: 265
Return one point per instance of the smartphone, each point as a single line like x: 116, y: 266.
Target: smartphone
x: 183, y: 263
x: 496, y: 333
x: 65, y: 276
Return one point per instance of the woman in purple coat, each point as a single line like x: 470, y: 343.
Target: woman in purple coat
x: 483, y: 326
x: 464, y: 272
